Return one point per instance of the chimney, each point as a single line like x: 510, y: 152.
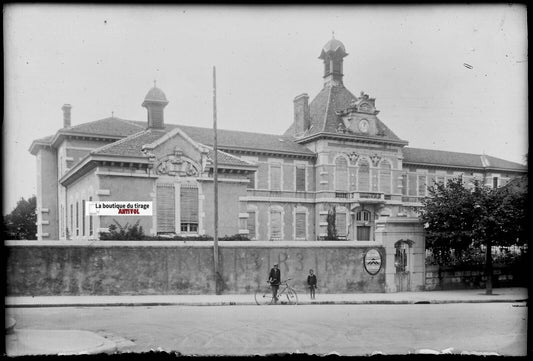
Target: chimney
x: 66, y: 115
x: 302, y: 119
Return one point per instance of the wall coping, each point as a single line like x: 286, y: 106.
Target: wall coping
x: 195, y: 244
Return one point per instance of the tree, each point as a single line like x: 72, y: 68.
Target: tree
x: 332, y: 231
x: 458, y: 217
x: 21, y: 223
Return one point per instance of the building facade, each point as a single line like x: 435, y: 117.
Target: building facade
x: 337, y: 154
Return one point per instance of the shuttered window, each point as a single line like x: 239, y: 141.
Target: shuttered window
x: 341, y: 174
x: 166, y: 212
x: 83, y: 217
x: 251, y: 225
x: 71, y: 220
x: 300, y: 224
x: 300, y: 178
x: 385, y: 178
x: 275, y: 224
x: 275, y: 177
x: 340, y: 224
x: 77, y: 218
x: 363, y: 184
x: 404, y: 184
x: 189, y: 208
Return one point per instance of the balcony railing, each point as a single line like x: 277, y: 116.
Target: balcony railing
x: 368, y: 197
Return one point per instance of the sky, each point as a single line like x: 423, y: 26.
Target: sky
x: 444, y: 77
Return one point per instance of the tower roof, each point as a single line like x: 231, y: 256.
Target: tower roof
x: 333, y: 46
x: 155, y: 95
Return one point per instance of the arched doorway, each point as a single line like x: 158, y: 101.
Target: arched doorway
x: 403, y: 263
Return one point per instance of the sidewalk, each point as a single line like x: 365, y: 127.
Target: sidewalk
x: 72, y: 342
x: 432, y: 297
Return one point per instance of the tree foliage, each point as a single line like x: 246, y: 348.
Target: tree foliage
x: 127, y: 232
x: 21, y: 223
x: 459, y: 216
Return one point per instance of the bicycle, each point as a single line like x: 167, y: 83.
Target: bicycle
x: 286, y: 294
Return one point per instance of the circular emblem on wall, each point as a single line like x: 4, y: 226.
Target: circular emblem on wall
x: 372, y: 261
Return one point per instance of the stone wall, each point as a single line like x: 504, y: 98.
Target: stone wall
x: 472, y: 277
x: 178, y: 267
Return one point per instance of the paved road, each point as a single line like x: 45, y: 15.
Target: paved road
x: 313, y: 329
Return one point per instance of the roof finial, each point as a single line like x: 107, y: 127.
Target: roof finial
x: 154, y: 83
x: 112, y: 114
x: 333, y: 34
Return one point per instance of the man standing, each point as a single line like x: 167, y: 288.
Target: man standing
x: 275, y: 278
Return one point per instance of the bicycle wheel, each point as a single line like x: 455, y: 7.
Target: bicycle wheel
x: 263, y: 296
x: 291, y: 296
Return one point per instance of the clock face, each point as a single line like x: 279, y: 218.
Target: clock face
x: 363, y: 125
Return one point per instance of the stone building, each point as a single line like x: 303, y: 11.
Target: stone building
x: 337, y: 154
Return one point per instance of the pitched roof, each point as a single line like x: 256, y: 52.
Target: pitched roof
x: 232, y: 139
x: 323, y: 108
x: 463, y: 160
x: 111, y: 126
x: 132, y: 147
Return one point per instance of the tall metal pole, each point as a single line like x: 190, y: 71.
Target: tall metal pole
x: 215, y: 179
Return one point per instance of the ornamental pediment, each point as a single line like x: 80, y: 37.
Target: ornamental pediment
x: 177, y: 165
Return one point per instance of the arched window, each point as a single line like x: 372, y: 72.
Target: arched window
x: 385, y: 177
x: 341, y: 174
x: 363, y: 181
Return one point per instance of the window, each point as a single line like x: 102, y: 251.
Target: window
x: 189, y: 208
x: 341, y: 174
x: 77, y: 219
x: 275, y: 177
x: 412, y: 184
x: 90, y: 220
x: 63, y: 223
x: 362, y: 216
x: 422, y: 186
x: 340, y: 224
x: 71, y: 218
x: 404, y: 184
x: 363, y: 181
x: 275, y: 224
x: 300, y: 224
x: 251, y: 225
x: 83, y: 217
x: 300, y: 178
x: 494, y: 182
x: 165, y: 198
x: 251, y: 178
x: 385, y: 178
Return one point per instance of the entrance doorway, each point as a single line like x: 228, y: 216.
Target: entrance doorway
x: 402, y: 262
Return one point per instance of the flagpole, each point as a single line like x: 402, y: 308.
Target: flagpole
x: 215, y: 179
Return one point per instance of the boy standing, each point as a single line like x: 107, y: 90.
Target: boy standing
x: 311, y: 282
